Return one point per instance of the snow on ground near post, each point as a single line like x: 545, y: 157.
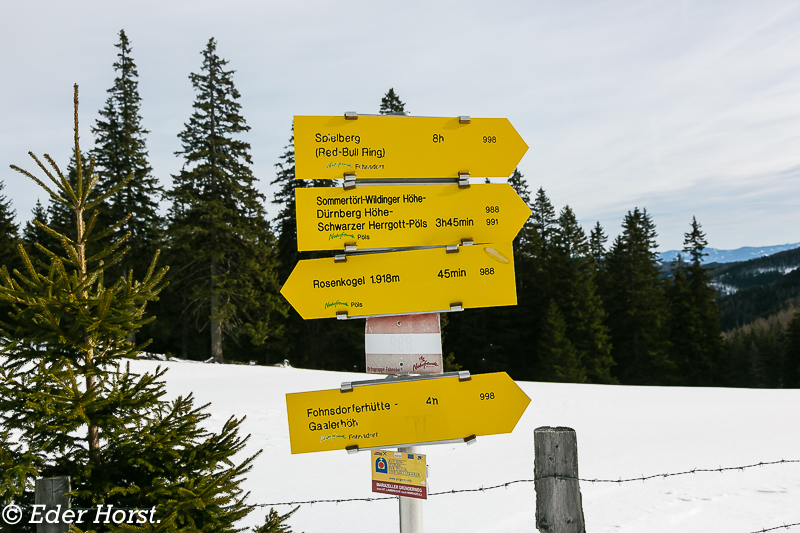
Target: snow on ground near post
x: 623, y: 432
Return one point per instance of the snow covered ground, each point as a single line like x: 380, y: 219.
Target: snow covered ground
x: 623, y: 432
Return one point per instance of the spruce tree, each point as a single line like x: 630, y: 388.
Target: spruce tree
x: 221, y: 242
x: 35, y: 233
x: 573, y: 289
x: 682, y: 321
x: 9, y: 232
x: 70, y: 400
x: 391, y: 104
x: 700, y: 342
x: 120, y: 150
x: 544, y: 221
x: 525, y: 237
x: 558, y: 359
x: 597, y: 246
x: 286, y: 220
x: 9, y: 239
x: 636, y: 306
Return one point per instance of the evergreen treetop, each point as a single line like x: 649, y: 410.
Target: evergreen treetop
x: 391, y: 104
x: 120, y: 151
x: 525, y: 237
x: 597, y: 244
x: 544, y: 222
x: 9, y: 232
x: 694, y: 243
x: 520, y: 186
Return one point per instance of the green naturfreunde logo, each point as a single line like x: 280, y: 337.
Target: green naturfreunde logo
x: 340, y: 236
x: 334, y: 304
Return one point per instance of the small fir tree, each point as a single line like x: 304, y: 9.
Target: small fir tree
x: 276, y: 523
x: 72, y: 404
x: 391, y: 104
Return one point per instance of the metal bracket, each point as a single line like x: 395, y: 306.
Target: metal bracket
x: 467, y: 242
x: 452, y: 248
x: 462, y: 375
x: 340, y: 258
x: 350, y: 247
x: 456, y: 306
x: 347, y: 386
x: 472, y: 439
x: 341, y: 315
x: 350, y: 115
x: 464, y: 119
x: 349, y: 180
x: 463, y: 180
x: 352, y: 449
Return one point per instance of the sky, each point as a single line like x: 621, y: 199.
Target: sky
x: 683, y: 108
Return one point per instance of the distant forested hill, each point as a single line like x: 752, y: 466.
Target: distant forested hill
x: 757, y: 288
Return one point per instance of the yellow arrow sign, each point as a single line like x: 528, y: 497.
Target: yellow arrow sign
x: 403, y: 282
x: 328, y: 218
x: 404, y: 412
x: 405, y: 147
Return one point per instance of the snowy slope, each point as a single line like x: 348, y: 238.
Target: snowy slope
x: 623, y: 431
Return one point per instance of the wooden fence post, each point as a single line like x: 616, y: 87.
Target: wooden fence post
x: 558, y: 500
x: 51, y: 492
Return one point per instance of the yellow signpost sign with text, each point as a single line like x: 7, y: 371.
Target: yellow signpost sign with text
x: 404, y: 412
x: 329, y: 218
x: 405, y: 147
x: 413, y: 281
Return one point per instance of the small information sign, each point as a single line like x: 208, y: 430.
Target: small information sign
x: 399, y: 474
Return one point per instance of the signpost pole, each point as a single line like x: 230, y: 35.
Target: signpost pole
x: 410, y: 508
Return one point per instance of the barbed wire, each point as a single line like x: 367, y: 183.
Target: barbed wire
x: 784, y: 526
x: 534, y: 480
x: 563, y: 478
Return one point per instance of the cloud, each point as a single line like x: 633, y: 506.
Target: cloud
x: 682, y: 108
